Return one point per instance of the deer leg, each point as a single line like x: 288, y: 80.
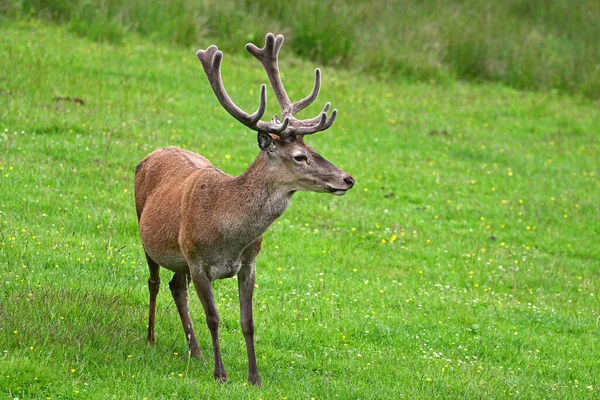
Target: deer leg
x: 204, y: 290
x: 179, y: 290
x: 246, y: 279
x: 153, y: 286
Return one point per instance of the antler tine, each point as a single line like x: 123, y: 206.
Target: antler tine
x: 318, y: 118
x: 308, y: 100
x: 268, y: 56
x: 314, y: 125
x: 331, y: 120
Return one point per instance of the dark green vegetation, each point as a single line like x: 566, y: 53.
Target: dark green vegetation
x: 527, y: 44
x: 463, y: 265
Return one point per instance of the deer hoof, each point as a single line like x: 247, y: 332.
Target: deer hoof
x: 196, y: 353
x: 220, y: 376
x: 255, y: 380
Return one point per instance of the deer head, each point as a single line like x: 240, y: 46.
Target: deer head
x: 294, y: 164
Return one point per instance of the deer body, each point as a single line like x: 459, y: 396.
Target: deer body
x: 223, y: 214
x: 204, y: 224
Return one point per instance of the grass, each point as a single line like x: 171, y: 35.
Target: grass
x: 536, y: 45
x: 464, y: 264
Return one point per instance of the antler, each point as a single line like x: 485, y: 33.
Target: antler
x: 211, y: 62
x: 268, y: 56
x: 211, y: 59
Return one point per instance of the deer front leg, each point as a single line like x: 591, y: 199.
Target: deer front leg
x: 246, y: 279
x: 204, y: 290
x: 153, y: 286
x: 179, y: 290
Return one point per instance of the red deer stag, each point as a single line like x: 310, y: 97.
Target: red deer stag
x: 203, y: 224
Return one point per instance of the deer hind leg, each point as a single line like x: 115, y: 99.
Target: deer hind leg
x: 204, y: 290
x: 179, y: 289
x: 153, y: 286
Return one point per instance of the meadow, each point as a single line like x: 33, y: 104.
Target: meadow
x: 527, y: 44
x: 464, y: 264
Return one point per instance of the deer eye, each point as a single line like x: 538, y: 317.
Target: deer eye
x: 300, y: 158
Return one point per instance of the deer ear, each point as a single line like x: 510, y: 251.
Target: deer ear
x: 265, y: 141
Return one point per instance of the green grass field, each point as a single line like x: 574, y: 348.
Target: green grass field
x: 526, y: 44
x: 464, y: 264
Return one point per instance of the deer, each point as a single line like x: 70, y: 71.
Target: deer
x: 203, y: 224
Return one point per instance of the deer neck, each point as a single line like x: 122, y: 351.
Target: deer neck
x: 262, y: 193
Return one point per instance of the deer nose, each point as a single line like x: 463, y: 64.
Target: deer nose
x: 349, y: 181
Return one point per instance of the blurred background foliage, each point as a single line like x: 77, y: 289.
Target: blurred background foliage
x: 526, y: 44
